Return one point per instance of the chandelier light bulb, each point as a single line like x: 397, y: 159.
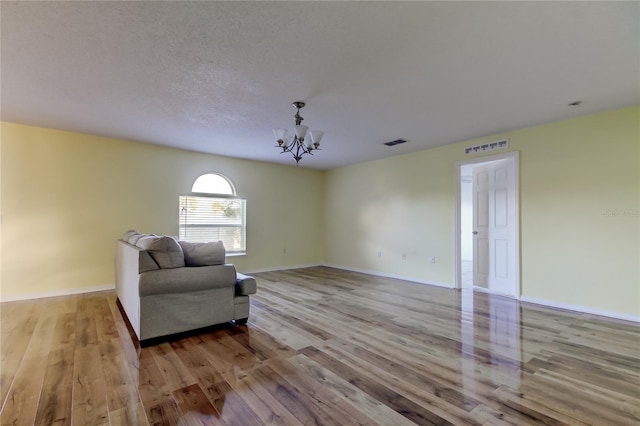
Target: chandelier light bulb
x: 301, y: 132
x: 280, y: 134
x: 316, y: 135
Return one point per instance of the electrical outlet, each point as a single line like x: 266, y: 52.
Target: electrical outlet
x: 404, y: 256
x: 433, y: 259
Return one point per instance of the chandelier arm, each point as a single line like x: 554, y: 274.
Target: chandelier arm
x: 298, y: 147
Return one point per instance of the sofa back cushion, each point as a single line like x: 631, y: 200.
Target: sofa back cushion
x: 132, y: 236
x: 129, y: 234
x: 166, y: 251
x: 203, y: 254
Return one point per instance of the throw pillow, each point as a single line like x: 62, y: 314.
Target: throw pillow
x: 146, y: 262
x: 164, y: 250
x: 203, y: 254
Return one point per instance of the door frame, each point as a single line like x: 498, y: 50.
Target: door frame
x: 514, y: 157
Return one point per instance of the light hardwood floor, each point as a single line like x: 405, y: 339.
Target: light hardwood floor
x: 324, y: 346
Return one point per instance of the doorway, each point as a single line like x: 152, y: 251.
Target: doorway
x: 487, y: 225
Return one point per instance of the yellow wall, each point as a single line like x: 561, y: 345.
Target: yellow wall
x: 66, y: 198
x: 399, y: 205
x: 579, y: 204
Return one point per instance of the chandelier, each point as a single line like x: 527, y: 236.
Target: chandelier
x: 299, y: 144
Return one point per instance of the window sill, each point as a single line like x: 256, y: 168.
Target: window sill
x: 244, y: 253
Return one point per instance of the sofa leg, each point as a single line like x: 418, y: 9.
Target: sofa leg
x: 241, y: 321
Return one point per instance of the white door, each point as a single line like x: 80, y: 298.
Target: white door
x: 494, y: 227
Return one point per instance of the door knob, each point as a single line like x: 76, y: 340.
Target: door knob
x: 475, y: 232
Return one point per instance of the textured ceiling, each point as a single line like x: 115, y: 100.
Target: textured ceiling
x: 216, y: 77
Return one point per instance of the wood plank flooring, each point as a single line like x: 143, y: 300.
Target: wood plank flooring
x: 323, y: 347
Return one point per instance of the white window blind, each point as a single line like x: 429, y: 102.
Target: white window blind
x: 204, y: 219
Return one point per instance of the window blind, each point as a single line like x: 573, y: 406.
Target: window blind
x: 204, y: 219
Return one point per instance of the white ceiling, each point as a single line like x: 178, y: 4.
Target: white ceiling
x: 216, y: 77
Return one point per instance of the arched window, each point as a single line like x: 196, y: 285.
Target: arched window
x: 214, y: 212
x: 213, y: 183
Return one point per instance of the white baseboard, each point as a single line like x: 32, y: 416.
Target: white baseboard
x: 280, y: 268
x: 55, y: 293
x: 495, y: 293
x: 548, y: 303
x: 527, y: 299
x: 80, y: 290
x: 394, y: 276
x: 579, y: 308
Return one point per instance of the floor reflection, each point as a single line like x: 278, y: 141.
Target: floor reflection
x: 491, y: 339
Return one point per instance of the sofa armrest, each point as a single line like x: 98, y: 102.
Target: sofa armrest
x: 245, y: 285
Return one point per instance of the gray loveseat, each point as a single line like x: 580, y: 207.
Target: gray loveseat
x: 166, y: 286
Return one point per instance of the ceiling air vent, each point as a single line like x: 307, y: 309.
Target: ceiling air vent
x: 396, y: 142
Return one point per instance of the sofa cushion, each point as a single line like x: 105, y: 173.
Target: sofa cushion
x: 129, y: 234
x: 134, y: 237
x: 138, y: 239
x: 186, y: 280
x: 203, y: 254
x: 166, y: 251
x: 146, y: 262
